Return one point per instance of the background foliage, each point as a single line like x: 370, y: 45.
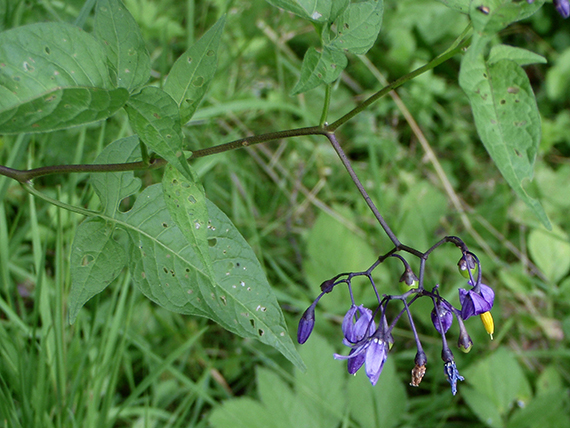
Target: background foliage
x: 127, y: 362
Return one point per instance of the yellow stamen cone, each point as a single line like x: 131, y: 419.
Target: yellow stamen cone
x: 488, y: 323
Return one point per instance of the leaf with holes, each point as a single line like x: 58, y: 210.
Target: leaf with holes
x: 96, y: 260
x: 186, y: 203
x: 166, y: 268
x: 123, y: 43
x: 154, y: 117
x: 320, y: 67
x: 491, y: 16
x: 357, y: 27
x: 507, y: 118
x: 53, y: 76
x: 315, y: 10
x: 191, y: 74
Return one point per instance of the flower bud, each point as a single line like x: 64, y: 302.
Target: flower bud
x: 445, y: 316
x: 408, y: 281
x: 306, y: 324
x: 466, y: 264
x: 464, y: 343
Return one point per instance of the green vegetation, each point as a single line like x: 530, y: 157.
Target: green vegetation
x: 78, y: 247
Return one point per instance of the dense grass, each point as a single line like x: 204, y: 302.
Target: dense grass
x: 127, y: 362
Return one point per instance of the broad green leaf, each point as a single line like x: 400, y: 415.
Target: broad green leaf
x: 337, y: 7
x: 549, y: 409
x: 507, y: 118
x: 491, y: 16
x: 279, y: 399
x: 96, y: 260
x: 166, y: 267
x: 123, y: 43
x: 518, y: 55
x: 483, y: 406
x: 154, y: 117
x: 241, y: 412
x: 558, y: 77
x: 348, y: 253
x: 550, y: 250
x: 191, y: 74
x: 458, y: 5
x: 322, y: 386
x: 316, y: 10
x: 500, y: 379
x: 383, y: 405
x: 61, y: 108
x: 357, y: 27
x: 53, y: 76
x: 186, y: 203
x: 320, y: 67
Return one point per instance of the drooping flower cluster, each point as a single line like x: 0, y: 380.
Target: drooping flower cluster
x: 368, y: 334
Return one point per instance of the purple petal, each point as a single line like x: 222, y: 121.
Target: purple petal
x: 376, y: 355
x: 562, y: 7
x: 355, y: 361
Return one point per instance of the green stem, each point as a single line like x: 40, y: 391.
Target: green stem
x: 30, y: 188
x: 454, y: 49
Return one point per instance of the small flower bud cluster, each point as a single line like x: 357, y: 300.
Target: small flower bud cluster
x: 370, y: 342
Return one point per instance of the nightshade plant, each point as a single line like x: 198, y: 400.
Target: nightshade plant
x: 182, y: 251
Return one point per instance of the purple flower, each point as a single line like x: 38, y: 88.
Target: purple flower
x: 360, y: 334
x: 445, y: 315
x: 306, y: 324
x: 562, y: 7
x: 363, y: 327
x: 473, y: 303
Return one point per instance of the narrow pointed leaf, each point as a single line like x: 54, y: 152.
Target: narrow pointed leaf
x: 123, y: 43
x: 53, y: 76
x: 154, y: 117
x: 191, y: 74
x: 518, y: 55
x: 507, y: 119
x: 320, y: 67
x: 357, y: 27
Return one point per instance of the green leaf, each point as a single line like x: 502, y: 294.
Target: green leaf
x: 53, y: 76
x: 483, y: 406
x: 358, y: 26
x: 550, y: 250
x: 491, y: 16
x: 518, y: 55
x: 165, y: 266
x: 506, y: 116
x: 123, y: 43
x: 383, y: 405
x: 191, y: 74
x: 186, y: 204
x: 315, y: 10
x: 319, y: 67
x: 458, y: 5
x: 242, y: 412
x: 549, y: 409
x: 499, y: 382
x: 96, y: 260
x: 154, y: 117
x: 322, y: 386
